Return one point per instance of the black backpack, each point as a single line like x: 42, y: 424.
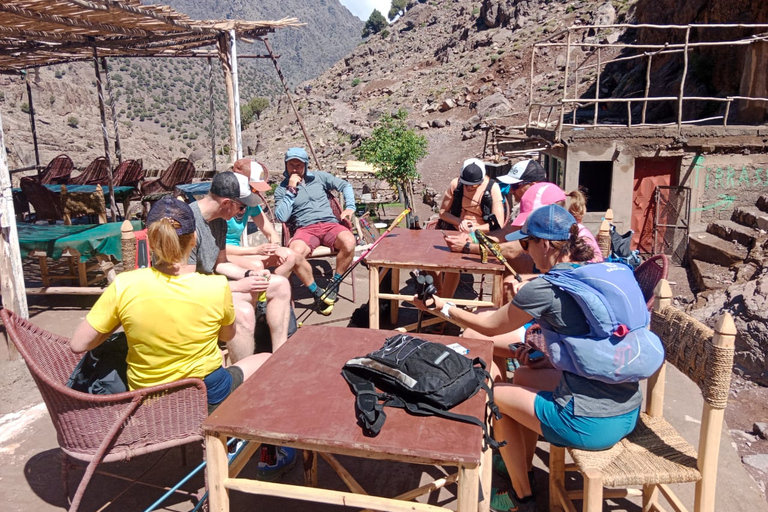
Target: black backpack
x: 422, y: 377
x: 103, y: 370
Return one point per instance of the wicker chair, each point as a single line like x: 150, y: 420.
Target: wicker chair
x: 47, y: 204
x: 97, y: 173
x: 179, y: 172
x: 649, y: 273
x: 105, y: 428
x: 129, y: 173
x: 655, y: 455
x: 57, y: 171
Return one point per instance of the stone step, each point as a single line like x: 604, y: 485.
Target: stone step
x: 713, y: 249
x: 734, y: 232
x: 709, y: 276
x: 762, y: 203
x: 751, y: 217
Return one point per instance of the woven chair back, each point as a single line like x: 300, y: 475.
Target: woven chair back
x: 97, y: 173
x: 181, y: 171
x: 688, y: 346
x: 47, y: 204
x: 649, y: 273
x: 57, y: 171
x: 129, y: 173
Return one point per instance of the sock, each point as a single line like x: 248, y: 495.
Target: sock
x: 337, y: 277
x: 312, y: 287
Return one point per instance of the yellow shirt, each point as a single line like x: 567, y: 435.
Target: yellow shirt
x: 171, y: 322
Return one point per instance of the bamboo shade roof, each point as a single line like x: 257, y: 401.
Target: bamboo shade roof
x: 45, y: 32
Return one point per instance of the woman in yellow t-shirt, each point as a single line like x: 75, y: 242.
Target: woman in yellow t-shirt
x: 173, y: 317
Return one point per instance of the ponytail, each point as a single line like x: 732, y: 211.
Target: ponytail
x: 575, y: 248
x: 166, y: 245
x: 577, y: 206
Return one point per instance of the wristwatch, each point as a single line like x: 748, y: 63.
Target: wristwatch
x: 465, y: 250
x: 247, y: 273
x: 446, y: 307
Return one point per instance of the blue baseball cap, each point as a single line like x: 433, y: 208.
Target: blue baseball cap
x: 297, y: 154
x: 550, y: 222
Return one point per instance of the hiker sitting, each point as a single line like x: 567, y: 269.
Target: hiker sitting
x: 173, y: 317
x: 303, y: 198
x: 567, y: 409
x: 467, y: 205
x: 270, y: 254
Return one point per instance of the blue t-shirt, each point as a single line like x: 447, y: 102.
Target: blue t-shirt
x: 236, y: 226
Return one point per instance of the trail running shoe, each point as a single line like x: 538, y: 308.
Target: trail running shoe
x: 507, y: 501
x: 501, y: 468
x: 324, y: 307
x: 275, y: 462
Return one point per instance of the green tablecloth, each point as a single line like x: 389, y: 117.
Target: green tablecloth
x: 88, y: 239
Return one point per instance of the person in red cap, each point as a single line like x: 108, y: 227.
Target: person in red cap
x: 271, y: 254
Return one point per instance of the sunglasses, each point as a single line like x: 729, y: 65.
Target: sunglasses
x: 525, y: 242
x: 240, y: 206
x: 519, y: 184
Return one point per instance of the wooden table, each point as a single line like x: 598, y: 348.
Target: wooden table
x: 423, y: 250
x: 298, y: 398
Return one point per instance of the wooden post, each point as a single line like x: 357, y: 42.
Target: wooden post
x: 213, y: 115
x: 655, y: 391
x: 228, y: 57
x: 32, y: 119
x: 11, y: 273
x: 236, y: 94
x: 128, y: 245
x: 597, y: 88
x: 682, y: 81
x: 293, y: 106
x: 604, y: 238
x: 118, y: 151
x: 647, y: 86
x: 112, y: 205
x: 373, y: 297
x: 565, y: 86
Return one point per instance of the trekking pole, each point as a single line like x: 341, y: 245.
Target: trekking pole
x: 335, y: 283
x: 494, y: 249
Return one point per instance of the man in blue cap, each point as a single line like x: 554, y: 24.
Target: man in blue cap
x: 302, y: 197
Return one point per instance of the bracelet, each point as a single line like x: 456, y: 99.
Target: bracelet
x: 293, y: 190
x: 247, y: 273
x: 466, y: 249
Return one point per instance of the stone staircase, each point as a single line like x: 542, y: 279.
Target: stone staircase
x: 730, y: 251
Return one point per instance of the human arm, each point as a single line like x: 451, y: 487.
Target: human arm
x: 445, y: 206
x: 503, y: 320
x: 284, y: 202
x: 266, y: 227
x: 255, y: 283
x: 100, y: 322
x: 86, y: 338
x: 331, y: 182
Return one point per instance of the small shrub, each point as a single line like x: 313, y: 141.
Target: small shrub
x: 475, y: 11
x: 384, y: 34
x: 355, y: 82
x: 52, y: 99
x: 72, y: 121
x: 474, y: 68
x: 494, y: 58
x: 25, y: 108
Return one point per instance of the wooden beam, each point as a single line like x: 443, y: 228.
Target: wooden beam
x: 113, y: 5
x: 105, y: 136
x: 71, y: 21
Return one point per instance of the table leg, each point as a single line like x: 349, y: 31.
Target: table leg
x: 498, y: 289
x: 486, y: 474
x: 310, y: 468
x: 373, y: 297
x: 466, y: 499
x: 394, y: 305
x: 43, y: 260
x: 218, y: 471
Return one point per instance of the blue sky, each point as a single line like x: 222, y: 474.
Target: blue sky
x: 363, y: 8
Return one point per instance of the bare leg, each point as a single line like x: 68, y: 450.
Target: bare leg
x: 545, y: 379
x: 254, y: 263
x: 286, y: 267
x: 278, y: 309
x: 242, y: 345
x: 345, y: 244
x: 301, y: 267
x: 450, y: 283
x: 252, y: 363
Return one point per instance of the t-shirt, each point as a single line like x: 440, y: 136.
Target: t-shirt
x: 211, y: 239
x: 236, y: 226
x: 592, y: 398
x: 588, y: 237
x: 171, y: 322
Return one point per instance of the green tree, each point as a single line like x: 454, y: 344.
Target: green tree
x: 246, y: 115
x: 376, y: 22
x: 398, y: 8
x: 394, y: 149
x: 258, y: 105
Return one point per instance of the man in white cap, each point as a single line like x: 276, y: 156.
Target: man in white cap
x: 231, y: 194
x: 257, y: 257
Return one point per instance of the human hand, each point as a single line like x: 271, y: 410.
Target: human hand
x: 254, y: 283
x: 266, y: 249
x: 532, y: 358
x: 456, y: 243
x: 347, y: 214
x: 435, y: 303
x: 294, y: 180
x: 466, y: 226
x: 282, y: 254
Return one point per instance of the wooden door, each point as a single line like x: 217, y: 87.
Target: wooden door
x: 649, y: 174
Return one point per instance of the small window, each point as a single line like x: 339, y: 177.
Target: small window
x: 596, y: 178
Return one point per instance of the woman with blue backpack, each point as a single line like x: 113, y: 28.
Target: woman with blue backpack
x: 584, y: 392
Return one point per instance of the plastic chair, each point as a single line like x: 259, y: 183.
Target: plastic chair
x: 649, y: 273
x: 105, y: 428
x: 57, y: 171
x: 97, y: 173
x: 46, y: 203
x: 654, y: 455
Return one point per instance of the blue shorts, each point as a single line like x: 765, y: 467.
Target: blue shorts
x: 220, y: 383
x: 562, y: 428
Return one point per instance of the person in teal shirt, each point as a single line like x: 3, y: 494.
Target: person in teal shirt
x: 261, y: 256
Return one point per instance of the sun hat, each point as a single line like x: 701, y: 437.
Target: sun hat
x: 472, y: 172
x: 233, y: 186
x: 540, y: 194
x: 550, y: 222
x: 168, y: 207
x: 525, y: 171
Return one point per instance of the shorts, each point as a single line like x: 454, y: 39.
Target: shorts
x: 322, y: 233
x: 220, y: 383
x: 562, y: 428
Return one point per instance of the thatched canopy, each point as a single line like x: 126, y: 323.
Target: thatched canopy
x: 44, y: 32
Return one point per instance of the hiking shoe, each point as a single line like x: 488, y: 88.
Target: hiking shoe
x: 327, y: 295
x: 275, y: 462
x: 324, y: 307
x: 507, y: 501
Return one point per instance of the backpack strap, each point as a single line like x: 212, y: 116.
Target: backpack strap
x: 458, y: 197
x: 370, y: 413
